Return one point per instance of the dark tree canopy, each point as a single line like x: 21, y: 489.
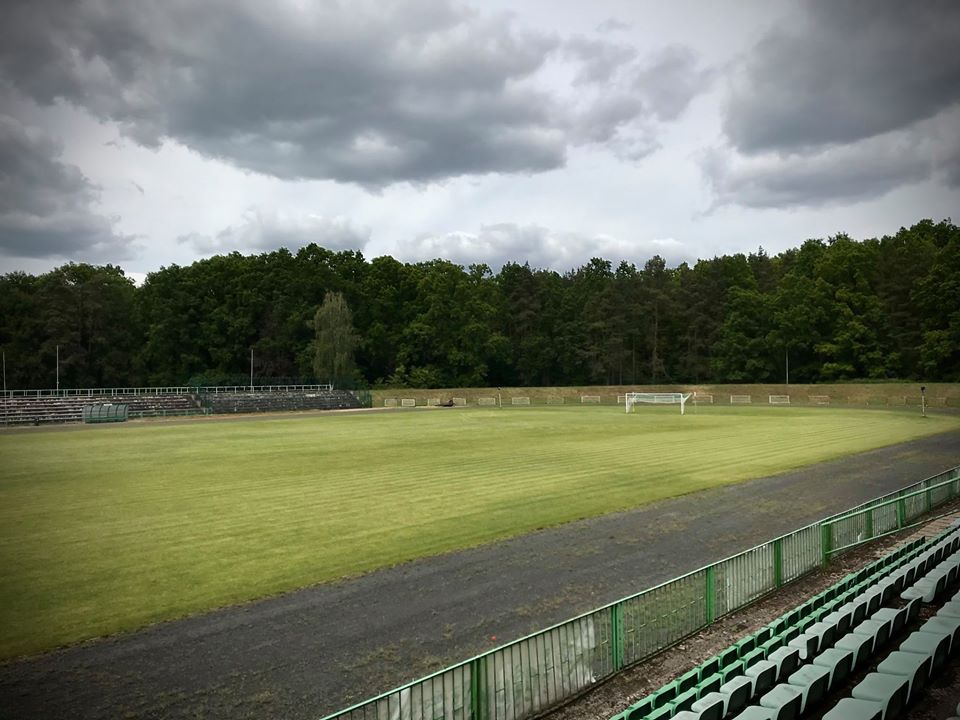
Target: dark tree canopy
x: 842, y: 309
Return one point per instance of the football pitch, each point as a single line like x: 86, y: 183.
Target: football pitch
x: 109, y: 528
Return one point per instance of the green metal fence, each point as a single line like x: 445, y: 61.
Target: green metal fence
x: 540, y: 671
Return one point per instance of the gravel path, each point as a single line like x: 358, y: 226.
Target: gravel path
x: 314, y: 651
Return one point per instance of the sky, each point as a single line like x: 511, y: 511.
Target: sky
x: 144, y: 134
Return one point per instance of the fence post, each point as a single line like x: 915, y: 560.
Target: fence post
x: 476, y: 706
x: 869, y: 522
x: 901, y: 513
x: 616, y: 635
x: 711, y: 594
x: 826, y: 541
x: 778, y: 562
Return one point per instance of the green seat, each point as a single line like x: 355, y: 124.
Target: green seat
x: 861, y: 645
x: 661, y: 713
x: 839, y: 662
x: 787, y: 659
x: 763, y: 674
x: 688, y: 680
x: 950, y: 609
x: 888, y: 690
x: 913, y: 666
x: 770, y: 645
x: 785, y: 700
x: 806, y: 644
x: 878, y: 629
x: 813, y: 682
x: 755, y: 712
x: 709, y: 684
x: 947, y: 624
x: 737, y: 692
x: 896, y: 616
x: 712, y: 706
x: 936, y: 646
x: 753, y: 657
x: 745, y: 645
x: 725, y: 659
x: 714, y: 664
x: 732, y: 671
x: 851, y: 709
x: 684, y: 700
x: 641, y: 709
x: 840, y: 619
x: 665, y: 695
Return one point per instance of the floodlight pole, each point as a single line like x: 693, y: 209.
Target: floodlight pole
x: 786, y: 354
x: 6, y: 417
x: 251, y: 369
x: 58, y: 368
x: 923, y: 400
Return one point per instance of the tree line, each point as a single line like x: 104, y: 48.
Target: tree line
x: 835, y: 309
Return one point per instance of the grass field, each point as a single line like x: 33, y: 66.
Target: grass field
x: 109, y: 528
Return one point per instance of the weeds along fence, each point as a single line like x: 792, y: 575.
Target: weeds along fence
x: 527, y: 677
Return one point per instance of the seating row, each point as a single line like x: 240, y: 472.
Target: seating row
x: 792, y: 663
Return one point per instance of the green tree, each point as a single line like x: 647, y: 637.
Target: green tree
x: 335, y: 341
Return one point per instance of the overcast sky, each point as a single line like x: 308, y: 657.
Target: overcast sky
x: 143, y: 134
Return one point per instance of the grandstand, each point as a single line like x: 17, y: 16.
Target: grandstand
x: 36, y: 407
x: 865, y: 648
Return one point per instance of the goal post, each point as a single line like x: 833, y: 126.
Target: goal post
x: 641, y: 398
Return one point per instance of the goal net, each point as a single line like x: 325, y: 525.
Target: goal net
x: 639, y: 398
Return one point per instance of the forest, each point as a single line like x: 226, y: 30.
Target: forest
x: 835, y: 309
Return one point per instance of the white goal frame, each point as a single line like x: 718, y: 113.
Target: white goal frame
x: 661, y: 398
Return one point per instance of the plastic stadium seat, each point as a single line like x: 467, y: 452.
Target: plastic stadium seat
x: 709, y: 684
x: 710, y: 667
x: 738, y: 692
x: 944, y: 624
x: 731, y: 671
x: 888, y: 690
x: 897, y: 617
x: 763, y: 674
x: 688, y: 680
x: 950, y: 609
x: 753, y: 657
x: 755, y: 712
x: 839, y: 662
x: 665, y: 695
x: 914, y: 607
x: 932, y: 645
x: 787, y: 659
x: 684, y: 700
x: 913, y: 666
x: 852, y: 709
x: 812, y: 681
x: 640, y: 709
x: 785, y: 700
x: 826, y: 634
x: 712, y: 706
x: 878, y: 629
x: 745, y: 645
x: 840, y: 619
x: 724, y: 660
x: 806, y: 644
x: 661, y: 713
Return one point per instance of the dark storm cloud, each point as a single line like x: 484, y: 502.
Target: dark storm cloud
x: 46, y: 206
x: 365, y: 92
x: 268, y: 231
x: 849, y: 71
x: 854, y: 101
x: 836, y: 175
x: 670, y: 80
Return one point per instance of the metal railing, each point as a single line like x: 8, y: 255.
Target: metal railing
x: 539, y: 671
x: 167, y: 390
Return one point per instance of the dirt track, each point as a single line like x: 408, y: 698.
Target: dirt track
x: 317, y: 650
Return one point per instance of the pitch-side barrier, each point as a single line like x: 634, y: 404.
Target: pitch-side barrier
x: 530, y: 675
